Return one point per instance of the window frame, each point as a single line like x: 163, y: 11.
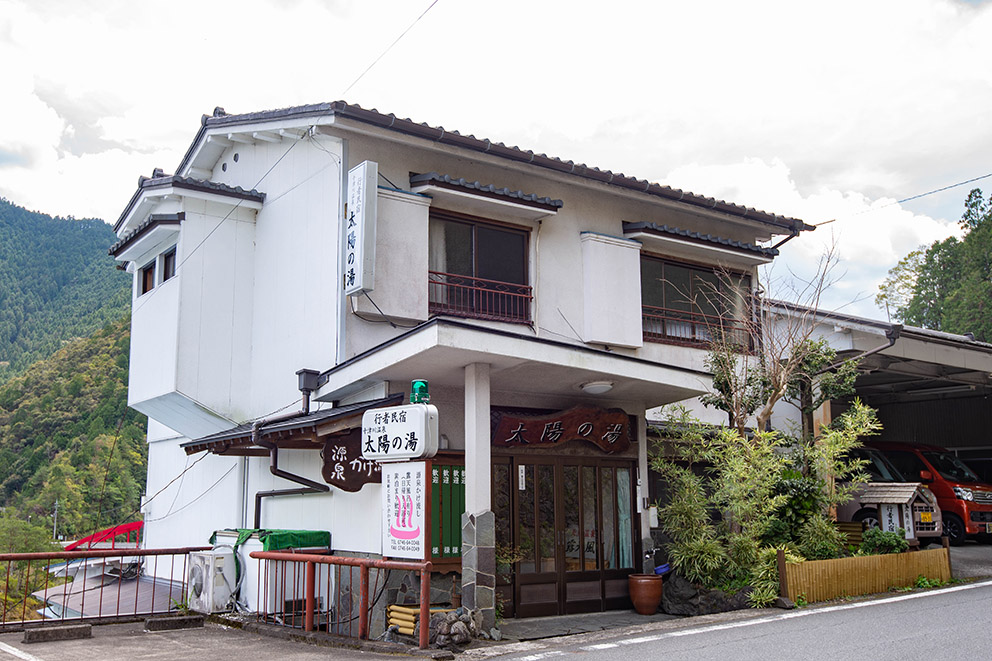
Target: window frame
x: 476, y: 222
x: 438, y: 280
x: 168, y: 269
x: 146, y: 277
x: 694, y: 316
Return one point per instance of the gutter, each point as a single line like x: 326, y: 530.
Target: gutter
x: 892, y: 334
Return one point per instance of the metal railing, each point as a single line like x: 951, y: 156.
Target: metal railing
x: 95, y: 584
x: 693, y: 329
x: 317, y: 592
x: 466, y: 296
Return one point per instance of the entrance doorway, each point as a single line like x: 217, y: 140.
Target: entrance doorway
x: 571, y: 524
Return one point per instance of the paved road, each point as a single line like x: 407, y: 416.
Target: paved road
x: 952, y: 623
x: 127, y: 642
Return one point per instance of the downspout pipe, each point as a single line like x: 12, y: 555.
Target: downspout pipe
x: 781, y: 243
x: 309, y: 486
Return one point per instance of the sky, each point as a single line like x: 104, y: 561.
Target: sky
x: 821, y: 111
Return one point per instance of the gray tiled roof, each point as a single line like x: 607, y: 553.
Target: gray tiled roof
x: 443, y: 136
x: 696, y: 236
x: 450, y: 182
x: 152, y: 221
x: 159, y: 180
x: 242, y: 433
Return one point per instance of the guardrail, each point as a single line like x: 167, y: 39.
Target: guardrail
x: 693, y: 329
x: 478, y: 298
x: 109, y: 584
x: 313, y: 591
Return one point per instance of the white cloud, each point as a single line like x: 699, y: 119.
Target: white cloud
x: 816, y: 111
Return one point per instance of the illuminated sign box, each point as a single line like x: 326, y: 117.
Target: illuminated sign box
x: 400, y: 433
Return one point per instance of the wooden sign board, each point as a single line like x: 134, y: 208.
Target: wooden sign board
x: 608, y: 429
x: 344, y: 467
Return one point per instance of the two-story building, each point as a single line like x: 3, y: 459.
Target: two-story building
x: 549, y: 305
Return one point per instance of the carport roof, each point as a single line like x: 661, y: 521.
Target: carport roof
x: 921, y: 364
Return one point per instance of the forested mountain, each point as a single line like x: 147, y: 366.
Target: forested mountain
x: 66, y: 434
x: 57, y: 283
x: 947, y: 285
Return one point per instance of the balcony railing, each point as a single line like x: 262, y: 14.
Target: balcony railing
x: 466, y: 296
x: 693, y: 329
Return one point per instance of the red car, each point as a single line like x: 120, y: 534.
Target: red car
x: 965, y: 502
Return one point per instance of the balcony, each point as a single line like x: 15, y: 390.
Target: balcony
x: 478, y: 298
x: 692, y: 329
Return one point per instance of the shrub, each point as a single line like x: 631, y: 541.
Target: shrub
x: 702, y: 560
x: 877, y: 542
x: 819, y: 539
x: 803, y: 498
x: 764, y: 576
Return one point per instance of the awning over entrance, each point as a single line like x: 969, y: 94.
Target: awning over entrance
x: 296, y: 432
x: 439, y: 350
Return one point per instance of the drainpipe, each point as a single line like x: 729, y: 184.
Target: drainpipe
x: 308, y: 380
x: 794, y: 234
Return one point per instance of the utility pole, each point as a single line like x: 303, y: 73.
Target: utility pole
x: 55, y: 523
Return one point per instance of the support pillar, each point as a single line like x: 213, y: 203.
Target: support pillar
x: 643, y: 492
x: 478, y: 520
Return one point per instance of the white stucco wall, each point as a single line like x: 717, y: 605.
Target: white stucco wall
x: 611, y: 270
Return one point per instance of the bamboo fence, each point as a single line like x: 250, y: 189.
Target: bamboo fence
x: 820, y: 580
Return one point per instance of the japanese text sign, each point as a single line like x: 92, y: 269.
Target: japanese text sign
x: 607, y: 429
x: 400, y: 433
x: 344, y: 466
x: 404, y: 501
x: 358, y: 228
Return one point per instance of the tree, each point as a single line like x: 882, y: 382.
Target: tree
x: 947, y: 286
x: 779, y: 359
x: 896, y: 291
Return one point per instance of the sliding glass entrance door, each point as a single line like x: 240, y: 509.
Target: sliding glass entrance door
x: 570, y: 525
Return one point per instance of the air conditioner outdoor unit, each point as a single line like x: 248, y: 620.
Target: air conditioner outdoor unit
x: 211, y: 581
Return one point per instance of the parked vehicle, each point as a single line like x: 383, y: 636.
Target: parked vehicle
x: 965, y: 502
x: 905, y: 503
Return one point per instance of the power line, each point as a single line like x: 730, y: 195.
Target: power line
x: 912, y: 197
x: 388, y: 48
x: 189, y: 254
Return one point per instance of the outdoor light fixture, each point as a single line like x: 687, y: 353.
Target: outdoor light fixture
x: 597, y: 387
x: 418, y: 392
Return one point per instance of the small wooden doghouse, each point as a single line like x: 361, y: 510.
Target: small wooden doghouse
x: 906, y: 505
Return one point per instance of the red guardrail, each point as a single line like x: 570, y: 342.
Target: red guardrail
x: 311, y: 562
x: 53, y: 587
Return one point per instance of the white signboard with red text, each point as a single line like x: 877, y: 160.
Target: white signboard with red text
x: 404, y: 502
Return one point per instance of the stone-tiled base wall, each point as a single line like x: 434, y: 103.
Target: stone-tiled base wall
x: 479, y: 565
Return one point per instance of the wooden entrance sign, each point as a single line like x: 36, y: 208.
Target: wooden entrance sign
x: 608, y: 429
x: 344, y: 466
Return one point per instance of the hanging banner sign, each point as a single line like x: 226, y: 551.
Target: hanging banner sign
x: 358, y: 267
x: 404, y: 499
x: 400, y: 433
x: 607, y: 429
x: 344, y: 466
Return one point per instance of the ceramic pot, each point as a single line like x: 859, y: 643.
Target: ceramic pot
x: 645, y: 592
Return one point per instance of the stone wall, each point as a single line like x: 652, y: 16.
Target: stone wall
x: 479, y: 565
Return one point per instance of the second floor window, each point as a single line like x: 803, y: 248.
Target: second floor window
x: 478, y: 270
x: 168, y: 264
x: 147, y: 280
x: 685, y: 304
